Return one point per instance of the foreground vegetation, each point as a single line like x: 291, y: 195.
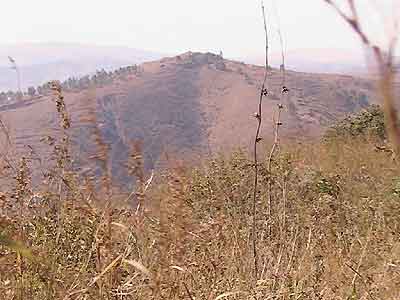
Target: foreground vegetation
x: 332, y: 231
x: 324, y: 218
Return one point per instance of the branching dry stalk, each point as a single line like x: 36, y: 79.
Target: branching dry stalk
x: 257, y: 139
x: 386, y: 68
x: 103, y: 149
x: 277, y: 121
x: 61, y: 149
x: 136, y: 169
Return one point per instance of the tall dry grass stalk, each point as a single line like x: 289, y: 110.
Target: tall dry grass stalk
x: 15, y: 67
x: 6, y: 145
x: 257, y: 139
x: 384, y: 59
x: 284, y: 92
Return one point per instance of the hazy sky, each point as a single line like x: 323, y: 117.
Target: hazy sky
x: 171, y: 26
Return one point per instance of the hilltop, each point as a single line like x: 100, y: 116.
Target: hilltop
x: 191, y: 104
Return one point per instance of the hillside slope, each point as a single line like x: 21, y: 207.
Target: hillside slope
x: 192, y: 104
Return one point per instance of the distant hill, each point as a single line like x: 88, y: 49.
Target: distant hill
x: 191, y: 104
x: 325, y: 61
x: 43, y: 62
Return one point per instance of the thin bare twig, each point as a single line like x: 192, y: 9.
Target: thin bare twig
x: 15, y: 67
x: 357, y: 273
x: 257, y: 139
x: 385, y: 62
x: 3, y: 156
x: 188, y: 291
x: 266, y: 37
x: 277, y: 122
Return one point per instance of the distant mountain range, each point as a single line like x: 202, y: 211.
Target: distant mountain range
x: 325, y: 61
x: 39, y: 63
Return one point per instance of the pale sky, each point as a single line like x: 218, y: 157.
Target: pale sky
x: 173, y: 26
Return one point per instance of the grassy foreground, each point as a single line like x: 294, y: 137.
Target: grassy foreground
x: 333, y: 232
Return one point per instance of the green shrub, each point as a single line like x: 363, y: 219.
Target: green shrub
x: 368, y: 123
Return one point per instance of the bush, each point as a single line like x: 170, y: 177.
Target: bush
x: 368, y: 123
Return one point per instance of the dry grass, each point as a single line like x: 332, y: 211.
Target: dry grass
x: 335, y: 231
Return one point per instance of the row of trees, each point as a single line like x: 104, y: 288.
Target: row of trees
x: 100, y: 78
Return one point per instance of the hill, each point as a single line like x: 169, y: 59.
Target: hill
x: 192, y: 104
